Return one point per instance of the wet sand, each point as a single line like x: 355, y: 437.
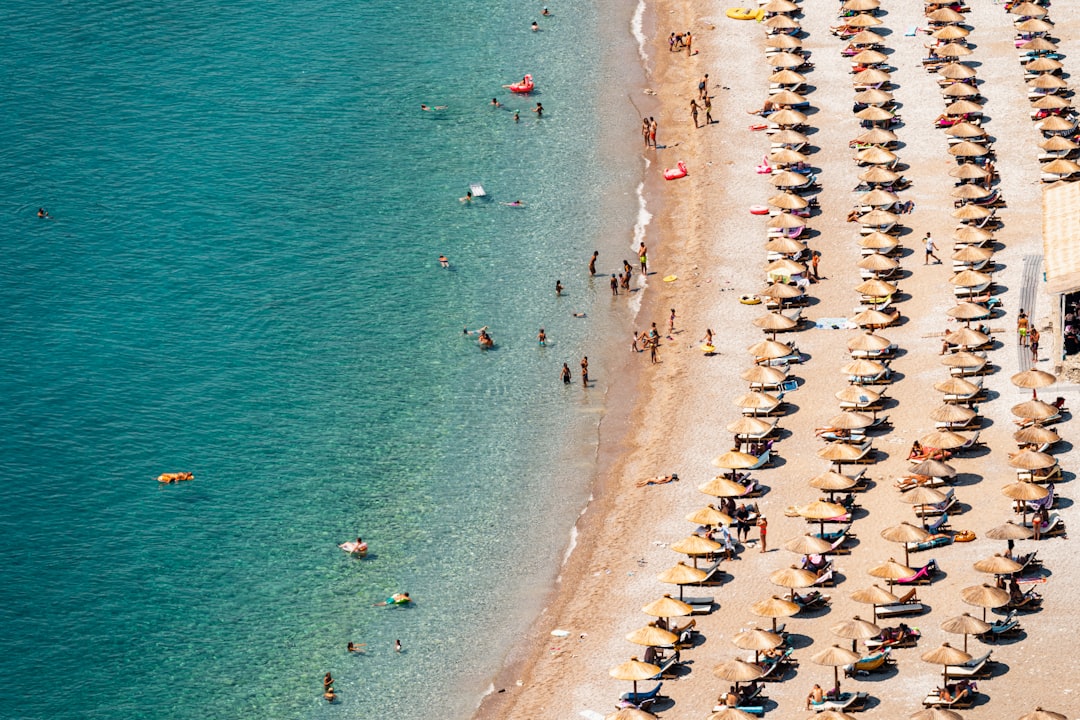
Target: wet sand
x: 681, y: 406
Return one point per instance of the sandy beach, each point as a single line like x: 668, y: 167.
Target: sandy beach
x: 706, y: 236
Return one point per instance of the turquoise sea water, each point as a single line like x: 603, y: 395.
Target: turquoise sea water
x: 239, y: 279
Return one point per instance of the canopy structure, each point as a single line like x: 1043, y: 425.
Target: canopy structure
x: 1061, y: 237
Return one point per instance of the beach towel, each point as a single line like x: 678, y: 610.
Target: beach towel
x: 834, y: 324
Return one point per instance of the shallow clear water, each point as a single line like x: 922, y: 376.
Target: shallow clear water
x: 239, y: 279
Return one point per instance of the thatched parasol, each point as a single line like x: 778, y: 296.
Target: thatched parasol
x: 874, y: 595
x: 905, y: 533
x: 984, y: 596
x: 965, y: 625
x: 855, y: 630
x: 834, y: 657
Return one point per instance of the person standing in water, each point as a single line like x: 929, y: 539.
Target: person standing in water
x: 539, y: 110
x: 614, y: 285
x: 558, y: 288
x: 541, y: 338
x: 585, y: 371
x: 643, y: 258
x: 592, y: 262
x: 652, y: 131
x: 566, y: 374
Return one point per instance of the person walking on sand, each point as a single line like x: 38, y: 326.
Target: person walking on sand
x: 688, y: 40
x: 671, y: 322
x: 694, y: 112
x: 1033, y: 338
x: 645, y: 131
x: 703, y: 85
x: 566, y: 374
x: 708, y: 110
x: 814, y: 264
x: 643, y: 258
x: 653, y: 348
x: 633, y: 343
x: 652, y: 131
x: 1022, y: 328
x: 763, y: 528
x: 930, y: 248
x: 585, y: 371
x: 592, y: 262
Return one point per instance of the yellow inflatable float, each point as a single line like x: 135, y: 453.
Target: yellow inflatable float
x: 745, y: 14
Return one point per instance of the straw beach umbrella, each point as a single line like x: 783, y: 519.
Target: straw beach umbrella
x: 721, y: 486
x: 786, y: 178
x: 877, y: 240
x: 761, y: 374
x: 964, y: 360
x: 1040, y: 714
x: 787, y: 77
x: 786, y: 60
x: 936, y: 714
x: 943, y: 439
x: 866, y: 38
x: 965, y: 625
x: 958, y: 90
x: 757, y: 640
x: 1044, y: 64
x: 920, y: 496
x: 774, y: 322
x: 969, y: 191
x: 789, y: 201
x: 769, y: 350
x: 968, y: 171
x: 1034, y: 410
x: 1035, y: 25
x: 868, y: 57
x: 955, y: 386
x: 871, y: 318
x: 891, y: 571
x: 972, y: 255
x: 875, y: 136
x: 905, y: 533
x: 681, y: 574
x: 1033, y: 379
x: 874, y: 595
x: 634, y: 670
x: 781, y: 22
x: 652, y: 636
x: 774, y: 607
x: 934, y: 468
x: 783, y: 42
x: 780, y: 292
x: 1031, y: 460
x: 968, y: 311
x: 787, y: 156
x: 1050, y: 102
x: 965, y: 130
x: 861, y: 20
x: 968, y: 149
x: 855, y: 630
x: 873, y: 96
x: 1056, y: 124
x: 1061, y: 166
x: 822, y: 511
x: 786, y: 221
x: 1047, y: 81
x: 966, y: 337
x: 667, y: 607
x: 984, y: 596
x: 875, y: 287
x: 738, y: 671
x: 875, y: 114
x: 878, y: 198
x: 1028, y: 9
x: 835, y: 656
x: 793, y: 578
x: 878, y: 175
x: 861, y: 369
x: 755, y: 402
x: 709, y: 515
x: 695, y: 546
x: 1009, y: 531
x: 1036, y: 435
x: 808, y: 545
x: 951, y: 32
x: 875, y: 155
x: 1039, y: 45
x: 945, y: 656
x: 868, y: 342
x: 784, y: 246
x: 956, y: 71
x: 831, y: 481
x: 963, y: 107
x: 945, y: 15
x: 953, y: 50
x: 1057, y: 143
x: 787, y: 97
x: 998, y: 565
x: 630, y: 713
x: 1022, y: 492
x: 730, y: 713
x: 860, y: 5
x: 871, y: 76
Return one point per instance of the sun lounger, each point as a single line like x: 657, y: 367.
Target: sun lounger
x: 922, y: 576
x: 667, y: 666
x: 1004, y: 627
x: 776, y: 668
x: 912, y: 481
x: 934, y: 542
x: 908, y: 604
x: 938, y: 508
x: 1027, y: 602
x: 1048, y: 421
x: 641, y: 700
x: 973, y: 424
x: 964, y: 700
x: 875, y: 662
x: 1040, y: 476
x: 902, y: 636
x: 939, y: 525
x: 812, y: 600
x: 847, y: 702
x: 825, y: 579
x: 973, y: 669
x: 834, y: 535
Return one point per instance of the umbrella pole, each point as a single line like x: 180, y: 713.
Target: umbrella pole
x: 836, y: 680
x: 965, y: 642
x: 905, y: 557
x: 875, y: 614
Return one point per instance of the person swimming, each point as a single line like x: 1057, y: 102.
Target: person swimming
x: 443, y: 261
x: 516, y: 203
x: 467, y: 198
x: 535, y: 26
x: 425, y: 108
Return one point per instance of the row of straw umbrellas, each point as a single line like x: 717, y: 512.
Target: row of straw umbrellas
x: 1047, y: 91
x: 785, y: 52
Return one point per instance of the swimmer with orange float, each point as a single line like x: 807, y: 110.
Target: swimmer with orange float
x: 395, y: 599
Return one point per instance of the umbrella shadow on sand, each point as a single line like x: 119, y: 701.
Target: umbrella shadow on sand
x: 886, y: 673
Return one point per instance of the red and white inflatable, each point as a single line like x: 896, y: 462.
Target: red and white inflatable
x: 524, y: 87
x: 676, y: 172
